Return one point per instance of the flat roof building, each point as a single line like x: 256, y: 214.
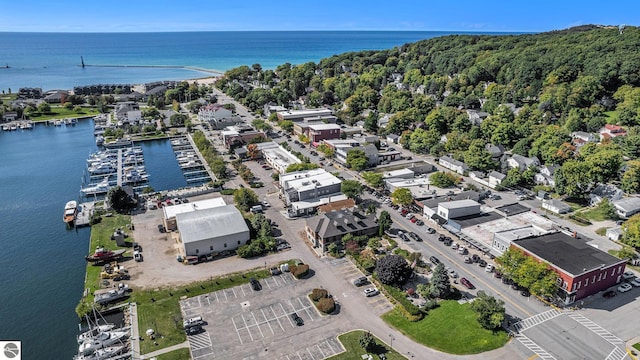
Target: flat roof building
x: 301, y: 115
x: 170, y: 212
x: 279, y: 158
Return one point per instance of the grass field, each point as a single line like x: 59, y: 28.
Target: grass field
x: 436, y: 329
x: 59, y: 112
x: 354, y: 351
x: 179, y: 354
x: 612, y: 117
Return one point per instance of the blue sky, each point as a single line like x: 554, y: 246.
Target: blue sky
x: 238, y: 15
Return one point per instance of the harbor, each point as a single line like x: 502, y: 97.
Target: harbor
x: 193, y: 167
x: 115, y: 166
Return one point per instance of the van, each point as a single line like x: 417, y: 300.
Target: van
x: 256, y: 209
x: 194, y: 321
x: 462, y: 250
x: 454, y: 246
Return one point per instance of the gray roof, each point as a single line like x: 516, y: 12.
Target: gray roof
x: 629, y: 204
x: 339, y: 223
x: 453, y: 162
x: 433, y: 203
x: 569, y: 254
x: 497, y: 175
x: 210, y: 223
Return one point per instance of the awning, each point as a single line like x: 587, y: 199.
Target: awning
x: 439, y: 219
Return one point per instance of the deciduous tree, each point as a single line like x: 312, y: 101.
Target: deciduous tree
x: 402, y: 196
x: 392, y: 270
x: 490, y: 311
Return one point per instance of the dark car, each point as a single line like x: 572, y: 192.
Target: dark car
x: 609, y: 294
x: 482, y: 263
x: 515, y: 286
x: 441, y: 237
x: 415, y: 236
x: 430, y: 230
x: 506, y: 281
x: 525, y: 293
x: 297, y: 319
x: 255, y: 284
x: 434, y: 260
x: 475, y: 258
x: 419, y: 222
x: 137, y: 247
x: 194, y: 330
x: 467, y: 283
x: 497, y: 274
x: 161, y: 228
x: 361, y: 281
x: 448, y: 242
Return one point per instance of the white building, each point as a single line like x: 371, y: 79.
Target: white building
x: 279, y: 158
x: 306, y: 115
x: 556, y: 206
x: 211, y: 231
x: 522, y: 162
x: 627, y: 207
x: 452, y: 164
x: 170, y: 212
x: 455, y: 209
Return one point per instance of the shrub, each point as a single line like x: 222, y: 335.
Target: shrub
x: 227, y: 191
x: 408, y: 309
x: 430, y: 304
x: 299, y: 270
x: 326, y: 305
x: 318, y: 294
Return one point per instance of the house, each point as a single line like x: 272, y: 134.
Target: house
x: 495, y: 179
x: 329, y: 228
x: 556, y: 206
x: 271, y: 108
x: 545, y: 176
x: 584, y: 137
x: 393, y: 138
x: 476, y: 117
x: 604, y: 191
x: 452, y: 164
x: 610, y: 131
x: 383, y: 121
x: 496, y: 151
x: 522, y: 162
x: 627, y: 207
x: 212, y: 231
x: 56, y: 96
x: 9, y: 116
x: 583, y: 270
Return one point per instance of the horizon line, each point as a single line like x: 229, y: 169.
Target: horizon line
x: 263, y: 30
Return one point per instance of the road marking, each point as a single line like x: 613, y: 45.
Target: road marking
x: 529, y: 344
x: 532, y: 321
x: 246, y: 326
x: 243, y: 293
x: 321, y: 352
x: 277, y: 318
x: 305, y: 308
x: 237, y: 330
x: 266, y: 282
x: 617, y: 354
x: 299, y: 357
x: 274, y: 280
x: 310, y: 354
x: 226, y: 298
x: 234, y: 293
x: 533, y: 357
x: 462, y: 268
x: 603, y: 333
x: 257, y: 324
x: 217, y: 300
x: 267, y: 321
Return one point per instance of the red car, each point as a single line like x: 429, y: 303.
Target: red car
x: 414, y: 219
x: 404, y: 212
x: 467, y: 283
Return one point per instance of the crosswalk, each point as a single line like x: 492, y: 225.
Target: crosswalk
x: 596, y: 329
x: 200, y: 341
x: 617, y: 354
x: 529, y: 344
x: 534, y: 320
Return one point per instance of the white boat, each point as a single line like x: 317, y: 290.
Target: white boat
x: 134, y: 176
x: 105, y: 353
x: 13, y: 127
x: 28, y: 126
x: 99, y: 140
x: 89, y: 334
x: 118, y: 144
x: 102, y: 340
x: 58, y: 123
x: 102, y: 168
x: 70, y: 212
x: 99, y: 188
x: 6, y: 127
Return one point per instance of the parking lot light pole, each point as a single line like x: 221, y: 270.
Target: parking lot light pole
x: 392, y: 338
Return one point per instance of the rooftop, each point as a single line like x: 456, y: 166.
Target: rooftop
x: 215, y: 222
x: 627, y: 204
x: 571, y: 255
x: 319, y: 201
x: 457, y: 204
x: 337, y: 223
x: 304, y: 180
x: 512, y: 209
x: 433, y: 203
x: 304, y: 113
x: 173, y: 210
x: 280, y: 157
x: 319, y: 127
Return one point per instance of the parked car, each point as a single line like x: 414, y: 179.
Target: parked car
x: 137, y: 256
x: 419, y: 222
x: 482, y: 263
x: 489, y: 268
x: 191, y: 322
x: 475, y: 258
x: 297, y: 319
x: 467, y: 283
x: 414, y: 219
x: 255, y: 284
x: 434, y: 260
x: 635, y: 282
x: 415, y: 236
x: 361, y: 281
x: 454, y: 246
x: 467, y: 260
x: 368, y: 292
x: 161, y: 228
x: 497, y: 274
x: 627, y: 275
x: 525, y: 293
x: 194, y: 330
x: 441, y: 237
x: 624, y: 287
x: 448, y: 241
x: 431, y: 230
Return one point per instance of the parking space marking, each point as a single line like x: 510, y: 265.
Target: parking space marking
x: 277, y: 318
x: 246, y: 326
x: 268, y: 323
x: 217, y: 300
x: 306, y: 309
x: 200, y: 341
x: 310, y: 354
x: 234, y: 293
x: 210, y: 355
x: 603, y: 333
x: 266, y: 282
x: 258, y: 324
x: 199, y: 302
x: 321, y: 352
x: 225, y: 295
x: 237, y: 330
x: 243, y: 293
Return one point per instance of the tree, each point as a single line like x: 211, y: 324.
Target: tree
x: 367, y: 341
x: 477, y: 157
x: 286, y: 125
x: 326, y: 150
x: 44, y: 107
x: 631, y: 229
x: 253, y: 151
x: 490, y: 311
x: 371, y: 122
x: 178, y: 119
x: 631, y: 177
x: 525, y: 271
x: 402, y: 197
x: 440, y: 286
x: 357, y: 159
x: 444, y: 179
x: 574, y: 179
x: 119, y: 200
x: 244, y: 198
x: 392, y: 270
x: 351, y: 188
x: 384, y: 222
x: 375, y: 180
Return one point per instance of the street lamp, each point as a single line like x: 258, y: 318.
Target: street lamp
x: 392, y: 338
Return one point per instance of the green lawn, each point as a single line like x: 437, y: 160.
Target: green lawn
x: 612, y: 117
x: 451, y: 328
x: 598, y: 213
x: 636, y: 346
x: 602, y: 231
x: 179, y: 354
x: 354, y: 351
x: 59, y: 112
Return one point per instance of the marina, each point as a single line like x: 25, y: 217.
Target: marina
x: 189, y: 159
x: 122, y: 166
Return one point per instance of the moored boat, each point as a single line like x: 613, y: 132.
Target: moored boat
x: 99, y: 188
x: 70, y: 212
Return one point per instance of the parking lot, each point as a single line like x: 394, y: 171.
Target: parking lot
x: 244, y: 323
x: 345, y: 269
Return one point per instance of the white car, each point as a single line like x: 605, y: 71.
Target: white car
x: 489, y: 268
x: 371, y: 292
x: 635, y: 282
x: 624, y: 288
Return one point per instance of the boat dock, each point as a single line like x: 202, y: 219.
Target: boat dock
x: 83, y: 218
x: 194, y: 169
x: 119, y: 173
x: 114, y: 167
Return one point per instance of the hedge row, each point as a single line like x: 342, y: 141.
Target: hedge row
x: 299, y: 271
x: 408, y: 309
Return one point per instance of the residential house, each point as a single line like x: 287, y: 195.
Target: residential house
x: 383, y: 121
x: 329, y: 228
x: 476, y: 117
x: 627, y: 207
x: 605, y: 191
x: 9, y: 116
x: 545, y: 176
x: 393, y: 138
x: 522, y: 162
x: 452, y: 164
x: 610, y: 131
x: 556, y: 206
x: 496, y: 151
x: 56, y: 96
x: 271, y: 108
x: 583, y: 270
x: 495, y: 179
x: 492, y: 180
x: 614, y: 233
x: 579, y: 138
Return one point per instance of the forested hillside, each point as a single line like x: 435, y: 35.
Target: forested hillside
x: 552, y: 84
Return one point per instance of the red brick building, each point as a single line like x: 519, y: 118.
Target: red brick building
x: 583, y: 269
x: 318, y: 132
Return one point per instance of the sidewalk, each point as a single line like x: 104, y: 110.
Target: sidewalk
x: 165, y: 350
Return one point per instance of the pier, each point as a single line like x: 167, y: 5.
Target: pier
x: 111, y: 167
x: 194, y: 169
x: 83, y: 218
x: 119, y: 173
x: 184, y: 67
